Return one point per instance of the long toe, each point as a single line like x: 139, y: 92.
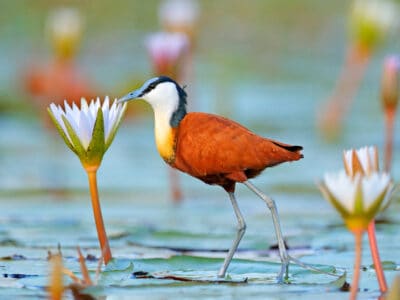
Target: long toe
x: 221, y: 273
x: 284, y: 272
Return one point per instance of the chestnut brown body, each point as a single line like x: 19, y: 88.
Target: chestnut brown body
x: 220, y: 151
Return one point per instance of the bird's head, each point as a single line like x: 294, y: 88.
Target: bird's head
x: 164, y: 95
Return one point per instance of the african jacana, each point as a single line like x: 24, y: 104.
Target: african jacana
x: 214, y: 149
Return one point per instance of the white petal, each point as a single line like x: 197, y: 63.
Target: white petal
x: 58, y: 113
x: 117, y: 110
x: 388, y: 196
x: 89, y: 116
x: 106, y: 109
x: 75, y: 114
x: 373, y: 186
x: 85, y: 131
x: 93, y: 110
x: 84, y: 105
x: 67, y: 108
x: 343, y: 188
x: 112, y: 121
x: 367, y: 158
x: 348, y: 161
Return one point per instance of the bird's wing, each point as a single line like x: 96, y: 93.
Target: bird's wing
x: 209, y: 144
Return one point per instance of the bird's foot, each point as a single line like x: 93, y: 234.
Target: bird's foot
x: 312, y: 268
x: 283, y: 275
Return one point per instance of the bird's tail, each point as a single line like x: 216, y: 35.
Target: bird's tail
x: 290, y: 148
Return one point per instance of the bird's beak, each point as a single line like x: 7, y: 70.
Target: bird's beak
x: 131, y: 96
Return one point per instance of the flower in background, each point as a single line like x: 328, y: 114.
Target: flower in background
x: 357, y: 198
x: 370, y: 24
x: 88, y: 131
x: 180, y: 16
x: 167, y: 51
x: 390, y: 97
x: 390, y: 82
x: 359, y: 193
x: 372, y: 20
x: 64, y: 27
x: 363, y: 161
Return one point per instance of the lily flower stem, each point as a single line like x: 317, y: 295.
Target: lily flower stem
x: 357, y: 264
x: 176, y: 193
x: 390, y: 114
x: 375, y: 257
x: 98, y: 217
x: 349, y: 80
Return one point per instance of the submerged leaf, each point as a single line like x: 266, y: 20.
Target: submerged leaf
x: 116, y: 272
x: 387, y: 265
x: 341, y: 282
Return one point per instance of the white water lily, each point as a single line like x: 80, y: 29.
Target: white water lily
x: 372, y: 20
x: 175, y: 14
x: 90, y: 129
x: 363, y: 160
x: 64, y: 27
x: 166, y: 51
x: 357, y: 198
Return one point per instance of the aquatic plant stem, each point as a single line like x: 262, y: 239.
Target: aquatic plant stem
x: 357, y: 264
x: 176, y: 193
x: 390, y: 114
x: 56, y: 284
x: 380, y: 275
x: 331, y: 116
x: 98, y: 217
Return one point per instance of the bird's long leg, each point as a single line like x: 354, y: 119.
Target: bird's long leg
x: 275, y: 218
x: 239, y: 234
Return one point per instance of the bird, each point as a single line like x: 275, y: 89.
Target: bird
x: 215, y: 150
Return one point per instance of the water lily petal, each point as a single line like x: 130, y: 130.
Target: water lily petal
x: 364, y: 160
x: 53, y: 111
x: 369, y: 159
x: 112, y: 118
x: 388, y: 196
x: 115, y: 122
x: 106, y: 109
x: 57, y: 113
x: 343, y: 188
x: 347, y: 161
x: 85, y: 131
x: 84, y: 105
x: 373, y: 186
x: 90, y: 129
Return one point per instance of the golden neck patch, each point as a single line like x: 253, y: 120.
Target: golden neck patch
x: 165, y: 135
x: 166, y: 144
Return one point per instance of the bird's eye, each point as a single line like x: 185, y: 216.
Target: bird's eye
x: 149, y: 88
